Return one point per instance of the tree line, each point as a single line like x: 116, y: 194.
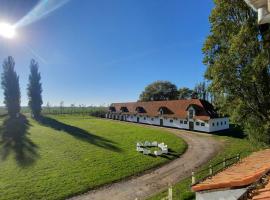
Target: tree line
x: 165, y: 90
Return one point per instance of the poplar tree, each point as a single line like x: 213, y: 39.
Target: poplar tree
x: 35, y: 90
x: 10, y: 85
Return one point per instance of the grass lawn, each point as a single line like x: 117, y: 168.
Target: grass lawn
x: 234, y: 143
x: 66, y: 155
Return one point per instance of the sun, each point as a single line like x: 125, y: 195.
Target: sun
x: 7, y: 30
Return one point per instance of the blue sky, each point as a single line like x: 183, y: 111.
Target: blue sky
x: 96, y: 52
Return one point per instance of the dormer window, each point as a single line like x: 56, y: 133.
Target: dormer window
x: 165, y: 111
x: 191, y: 114
x: 124, y: 109
x: 112, y: 109
x: 140, y: 110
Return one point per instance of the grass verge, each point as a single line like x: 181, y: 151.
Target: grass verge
x: 234, y: 142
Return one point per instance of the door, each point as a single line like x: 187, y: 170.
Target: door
x: 138, y: 120
x: 191, y: 125
x: 161, y: 122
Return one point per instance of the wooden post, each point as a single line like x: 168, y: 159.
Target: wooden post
x: 170, y: 193
x: 193, y: 179
x: 224, y: 162
x: 238, y: 157
x: 210, y: 170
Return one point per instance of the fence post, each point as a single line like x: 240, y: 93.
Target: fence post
x: 170, y: 193
x: 210, y: 170
x: 238, y: 157
x: 224, y: 162
x: 193, y: 179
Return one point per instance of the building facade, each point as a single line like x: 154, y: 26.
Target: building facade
x: 190, y: 114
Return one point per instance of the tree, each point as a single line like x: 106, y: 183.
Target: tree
x: 237, y: 59
x: 158, y: 91
x: 48, y: 106
x: 10, y: 85
x: 185, y: 93
x: 34, y: 90
x: 61, y: 107
x: 201, y: 91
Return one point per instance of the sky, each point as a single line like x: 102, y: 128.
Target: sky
x: 95, y: 52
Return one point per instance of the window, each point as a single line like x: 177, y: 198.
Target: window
x: 221, y: 123
x: 181, y: 121
x: 225, y: 122
x: 131, y: 117
x: 202, y: 124
x: 171, y: 121
x: 152, y: 119
x: 213, y: 124
x: 197, y: 124
x: 217, y: 123
x: 144, y: 118
x: 185, y: 122
x: 190, y: 114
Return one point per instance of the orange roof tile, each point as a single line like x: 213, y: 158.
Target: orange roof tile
x: 244, y: 173
x: 204, y: 110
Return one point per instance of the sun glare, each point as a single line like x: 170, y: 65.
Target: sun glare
x: 7, y: 30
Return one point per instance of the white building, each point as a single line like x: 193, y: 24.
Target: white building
x: 263, y: 9
x: 191, y: 114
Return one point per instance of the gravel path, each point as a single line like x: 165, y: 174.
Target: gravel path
x: 201, y: 148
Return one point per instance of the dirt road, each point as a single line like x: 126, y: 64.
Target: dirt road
x: 201, y: 148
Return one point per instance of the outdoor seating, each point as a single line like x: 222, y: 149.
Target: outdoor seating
x: 146, y: 151
x: 142, y: 147
x: 147, y: 144
x: 157, y: 153
x: 154, y: 144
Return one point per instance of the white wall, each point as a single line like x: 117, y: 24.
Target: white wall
x: 218, y: 124
x: 223, y: 123
x: 198, y: 126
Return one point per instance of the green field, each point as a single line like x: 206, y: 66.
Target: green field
x: 61, y: 156
x: 234, y: 142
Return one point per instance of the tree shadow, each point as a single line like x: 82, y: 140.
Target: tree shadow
x: 79, y: 133
x: 234, y: 131
x: 14, y: 139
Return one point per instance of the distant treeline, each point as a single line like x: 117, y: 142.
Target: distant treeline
x: 99, y: 111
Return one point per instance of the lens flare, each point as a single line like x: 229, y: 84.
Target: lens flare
x: 41, y: 10
x: 7, y: 30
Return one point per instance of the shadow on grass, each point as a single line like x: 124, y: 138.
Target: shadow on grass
x: 234, y: 131
x: 79, y: 133
x: 14, y: 139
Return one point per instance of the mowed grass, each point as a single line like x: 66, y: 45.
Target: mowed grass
x: 72, y: 154
x: 234, y: 142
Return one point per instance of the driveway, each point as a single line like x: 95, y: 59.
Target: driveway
x: 201, y: 148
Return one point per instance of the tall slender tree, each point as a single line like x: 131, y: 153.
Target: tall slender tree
x: 10, y: 85
x: 35, y: 90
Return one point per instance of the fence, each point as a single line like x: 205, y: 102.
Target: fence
x: 213, y: 169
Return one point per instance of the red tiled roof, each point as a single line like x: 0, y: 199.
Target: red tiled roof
x: 263, y: 193
x: 204, y: 110
x: 248, y: 171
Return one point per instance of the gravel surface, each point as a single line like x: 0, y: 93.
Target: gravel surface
x: 201, y: 148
